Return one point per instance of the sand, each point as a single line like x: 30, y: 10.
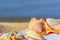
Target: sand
x: 9, y: 27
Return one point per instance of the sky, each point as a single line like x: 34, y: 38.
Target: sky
x: 30, y: 8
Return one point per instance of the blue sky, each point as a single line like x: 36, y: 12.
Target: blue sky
x: 30, y: 8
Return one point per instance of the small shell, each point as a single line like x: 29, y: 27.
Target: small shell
x: 34, y: 35
x: 20, y: 36
x: 13, y: 33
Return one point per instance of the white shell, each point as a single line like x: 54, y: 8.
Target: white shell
x: 52, y: 22
x: 34, y: 35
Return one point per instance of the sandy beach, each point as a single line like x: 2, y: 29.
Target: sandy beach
x: 9, y: 27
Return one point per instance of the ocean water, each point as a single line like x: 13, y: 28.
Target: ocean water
x: 30, y: 8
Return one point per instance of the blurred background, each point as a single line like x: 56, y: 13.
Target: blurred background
x: 20, y: 10
x: 30, y: 8
x: 23, y: 10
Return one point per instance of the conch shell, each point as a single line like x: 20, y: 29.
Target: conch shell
x: 41, y: 26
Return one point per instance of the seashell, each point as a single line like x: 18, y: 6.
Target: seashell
x: 57, y: 27
x: 33, y: 35
x: 52, y: 22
